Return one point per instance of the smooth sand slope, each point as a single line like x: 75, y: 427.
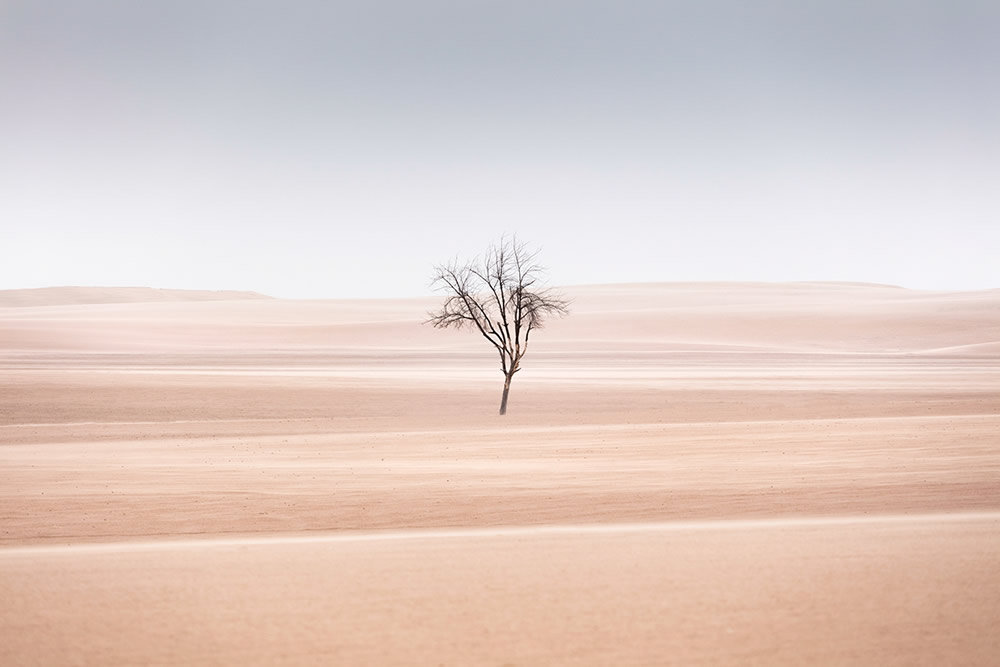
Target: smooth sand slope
x: 690, y: 474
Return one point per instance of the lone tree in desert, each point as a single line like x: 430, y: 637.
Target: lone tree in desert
x: 500, y: 295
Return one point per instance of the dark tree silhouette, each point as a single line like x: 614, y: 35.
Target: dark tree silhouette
x: 500, y: 295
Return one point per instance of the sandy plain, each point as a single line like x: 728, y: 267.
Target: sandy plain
x: 710, y: 474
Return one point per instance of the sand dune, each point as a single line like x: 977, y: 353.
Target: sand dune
x: 888, y: 593
x: 800, y: 473
x: 67, y: 296
x: 793, y: 317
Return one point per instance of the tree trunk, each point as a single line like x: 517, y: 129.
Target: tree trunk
x: 506, y: 391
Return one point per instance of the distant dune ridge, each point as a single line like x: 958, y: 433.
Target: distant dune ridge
x: 68, y: 296
x: 605, y: 320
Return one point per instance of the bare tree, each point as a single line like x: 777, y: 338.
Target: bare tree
x: 500, y: 295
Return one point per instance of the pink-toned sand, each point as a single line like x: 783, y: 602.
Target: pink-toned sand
x: 689, y: 474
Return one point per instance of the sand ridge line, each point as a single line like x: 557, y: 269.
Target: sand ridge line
x: 168, y: 421
x: 168, y: 544
x: 514, y: 429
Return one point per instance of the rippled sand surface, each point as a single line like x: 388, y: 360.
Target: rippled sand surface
x: 689, y: 474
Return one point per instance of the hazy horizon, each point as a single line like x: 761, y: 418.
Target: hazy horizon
x: 325, y: 150
x: 735, y: 284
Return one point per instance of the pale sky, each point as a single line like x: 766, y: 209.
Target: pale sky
x: 339, y: 149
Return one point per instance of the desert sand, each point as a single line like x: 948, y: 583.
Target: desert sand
x: 718, y: 474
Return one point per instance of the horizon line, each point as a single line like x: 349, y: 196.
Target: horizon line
x: 251, y: 293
